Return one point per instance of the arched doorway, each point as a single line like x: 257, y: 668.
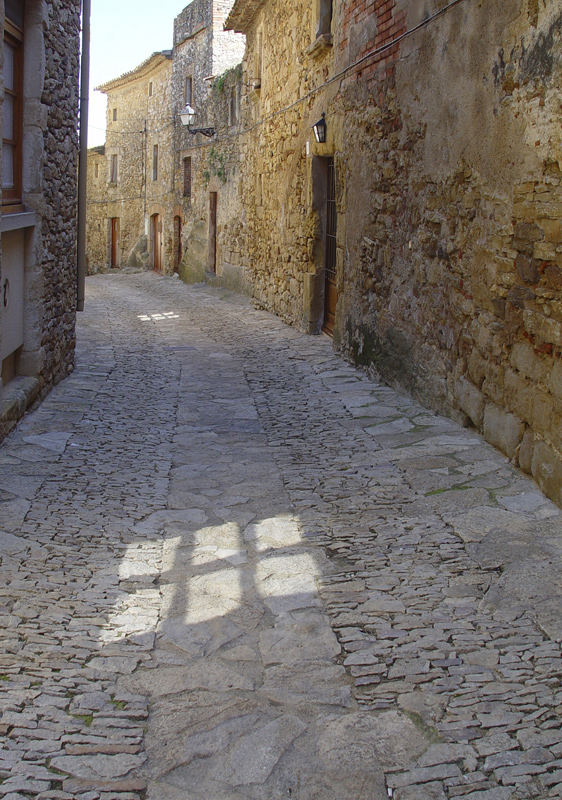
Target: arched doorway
x: 156, y: 242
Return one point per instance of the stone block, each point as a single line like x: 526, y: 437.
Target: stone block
x: 493, y: 386
x: 553, y: 277
x: 544, y: 328
x: 476, y: 367
x: 524, y: 359
x: 470, y: 400
x: 555, y: 381
x: 502, y: 429
x: 519, y: 394
x: 542, y: 411
x: 526, y: 450
x: 527, y: 268
x: 546, y: 469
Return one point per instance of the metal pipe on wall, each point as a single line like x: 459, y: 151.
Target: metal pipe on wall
x: 83, y: 155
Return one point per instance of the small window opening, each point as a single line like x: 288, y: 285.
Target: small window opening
x: 187, y: 177
x: 155, y: 163
x: 113, y: 173
x: 324, y: 18
x: 188, y: 91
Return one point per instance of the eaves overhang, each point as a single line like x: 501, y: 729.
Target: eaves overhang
x: 143, y: 69
x: 242, y: 15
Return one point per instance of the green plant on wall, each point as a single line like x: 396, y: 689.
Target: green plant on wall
x: 222, y: 80
x: 215, y: 166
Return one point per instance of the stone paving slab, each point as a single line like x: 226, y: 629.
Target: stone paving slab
x: 233, y: 568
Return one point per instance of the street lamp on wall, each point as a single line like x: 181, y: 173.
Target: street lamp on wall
x: 187, y: 115
x: 319, y: 129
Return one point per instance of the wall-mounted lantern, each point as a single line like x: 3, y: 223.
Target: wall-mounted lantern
x: 319, y: 129
x: 187, y: 115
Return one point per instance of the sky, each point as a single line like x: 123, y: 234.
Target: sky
x: 123, y: 34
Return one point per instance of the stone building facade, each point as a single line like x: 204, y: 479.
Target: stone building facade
x: 40, y: 57
x: 140, y: 217
x: 131, y: 180
x: 423, y: 233
x: 207, y: 168
x: 436, y: 199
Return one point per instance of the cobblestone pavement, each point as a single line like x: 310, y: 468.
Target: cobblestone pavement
x: 232, y: 568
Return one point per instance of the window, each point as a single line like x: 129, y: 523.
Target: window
x: 155, y: 163
x: 324, y: 18
x: 114, y: 115
x: 150, y: 89
x: 187, y: 177
x: 234, y: 106
x: 113, y: 171
x: 188, y: 91
x: 12, y: 112
x: 259, y: 60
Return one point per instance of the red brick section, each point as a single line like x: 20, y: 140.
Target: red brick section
x: 390, y: 25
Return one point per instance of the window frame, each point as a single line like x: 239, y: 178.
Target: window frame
x: 12, y: 197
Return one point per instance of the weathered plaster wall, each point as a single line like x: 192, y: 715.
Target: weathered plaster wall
x: 453, y: 275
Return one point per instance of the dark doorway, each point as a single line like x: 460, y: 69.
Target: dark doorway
x: 212, y: 260
x: 156, y: 242
x: 114, y: 246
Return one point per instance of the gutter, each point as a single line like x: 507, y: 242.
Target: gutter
x: 83, y: 156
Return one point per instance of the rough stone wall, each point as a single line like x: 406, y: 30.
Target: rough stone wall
x: 50, y: 151
x: 142, y: 121
x: 207, y: 53
x: 447, y: 152
x: 452, y: 282
x: 96, y: 221
x: 278, y: 223
x: 58, y: 203
x: 228, y: 46
x: 216, y: 167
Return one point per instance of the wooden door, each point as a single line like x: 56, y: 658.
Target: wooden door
x: 115, y: 231
x: 156, y: 242
x: 212, y: 261
x: 330, y: 285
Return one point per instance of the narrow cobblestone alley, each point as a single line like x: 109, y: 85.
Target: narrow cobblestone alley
x: 233, y: 568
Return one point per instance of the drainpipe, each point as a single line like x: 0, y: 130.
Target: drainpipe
x: 83, y: 156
